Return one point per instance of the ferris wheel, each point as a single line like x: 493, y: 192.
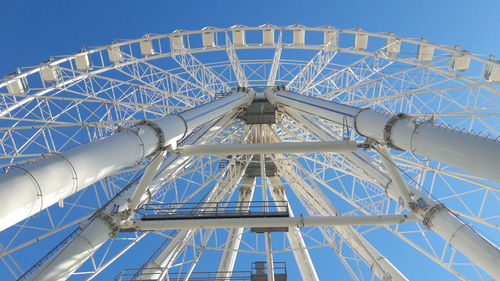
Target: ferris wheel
x: 252, y: 153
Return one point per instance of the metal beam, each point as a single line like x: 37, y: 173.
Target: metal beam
x: 101, y: 228
x: 238, y: 69
x: 472, y: 153
x: 34, y: 187
x: 314, y: 67
x: 435, y: 216
x: 267, y: 148
x: 152, y: 225
x: 300, y: 252
x: 228, y: 259
x: 167, y: 256
x: 321, y: 205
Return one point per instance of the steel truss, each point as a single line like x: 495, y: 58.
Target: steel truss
x: 157, y: 120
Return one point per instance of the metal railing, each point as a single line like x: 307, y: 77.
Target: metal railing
x: 237, y: 209
x: 260, y: 268
x: 152, y: 274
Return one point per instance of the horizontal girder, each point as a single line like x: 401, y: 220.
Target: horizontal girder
x: 267, y: 148
x: 301, y: 221
x: 472, y: 153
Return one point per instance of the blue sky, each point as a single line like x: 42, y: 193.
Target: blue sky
x: 32, y: 31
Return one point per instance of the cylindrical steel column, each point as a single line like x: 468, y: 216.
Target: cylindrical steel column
x: 471, y: 243
x: 228, y: 258
x: 379, y: 264
x: 33, y: 187
x: 475, y: 154
x: 465, y: 239
x: 300, y: 252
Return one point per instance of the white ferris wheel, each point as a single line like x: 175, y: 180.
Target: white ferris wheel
x: 252, y: 153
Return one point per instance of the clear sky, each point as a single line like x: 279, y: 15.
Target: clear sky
x: 33, y: 31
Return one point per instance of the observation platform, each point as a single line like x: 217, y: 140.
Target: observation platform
x: 257, y: 273
x: 149, y: 274
x: 214, y: 210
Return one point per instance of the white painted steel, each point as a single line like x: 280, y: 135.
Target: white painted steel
x: 36, y: 186
x: 470, y: 80
x: 267, y: 222
x: 159, y: 266
x: 233, y: 240
x: 477, y: 155
x: 269, y: 256
x: 147, y: 177
x: 471, y: 244
x: 267, y: 148
x: 82, y: 247
x: 379, y: 264
x: 300, y: 252
x: 74, y: 254
x: 397, y: 179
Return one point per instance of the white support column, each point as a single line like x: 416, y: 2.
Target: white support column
x: 103, y: 227
x: 167, y: 256
x: 300, y: 252
x: 267, y: 148
x: 269, y: 256
x: 379, y: 264
x: 314, y: 67
x: 83, y: 246
x: 170, y: 253
x: 238, y: 69
x: 205, y: 77
x: 151, y: 225
x: 406, y: 195
x: 33, y: 187
x: 468, y: 152
x: 147, y: 177
x: 228, y: 258
x: 477, y: 248
x: 265, y: 185
x: 273, y: 73
x: 438, y: 218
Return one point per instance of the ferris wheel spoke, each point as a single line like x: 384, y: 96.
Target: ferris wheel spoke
x: 173, y: 83
x: 165, y: 86
x: 319, y: 202
x: 237, y: 67
x: 355, y: 74
x: 76, y: 99
x: 169, y: 251
x: 310, y: 72
x: 203, y: 75
x: 431, y: 253
x: 271, y: 80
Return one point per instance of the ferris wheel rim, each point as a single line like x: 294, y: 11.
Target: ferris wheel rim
x: 95, y: 72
